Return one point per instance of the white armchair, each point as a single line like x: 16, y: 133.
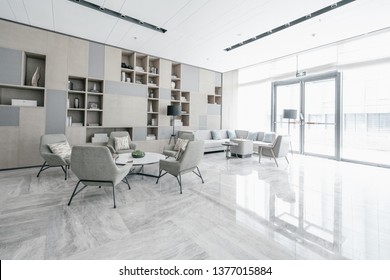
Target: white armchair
x: 277, y: 149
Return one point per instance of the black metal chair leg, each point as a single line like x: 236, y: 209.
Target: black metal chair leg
x: 179, y: 181
x: 113, y: 194
x: 159, y: 176
x: 125, y: 180
x: 43, y: 165
x: 73, y: 194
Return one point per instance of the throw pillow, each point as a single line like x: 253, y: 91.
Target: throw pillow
x: 179, y: 154
x: 180, y: 144
x: 61, y: 149
x: 216, y: 135
x: 269, y: 137
x: 252, y: 136
x: 122, y: 143
x: 232, y: 134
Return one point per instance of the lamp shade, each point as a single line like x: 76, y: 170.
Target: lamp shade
x: 173, y: 110
x: 289, y: 114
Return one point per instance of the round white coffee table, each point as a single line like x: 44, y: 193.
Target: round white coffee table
x: 149, y: 158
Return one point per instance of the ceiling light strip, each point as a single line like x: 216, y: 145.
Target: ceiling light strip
x: 292, y: 23
x: 119, y: 15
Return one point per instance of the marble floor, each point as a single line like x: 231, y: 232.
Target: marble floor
x: 312, y: 208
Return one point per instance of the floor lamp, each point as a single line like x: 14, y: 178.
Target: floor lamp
x: 289, y: 114
x: 173, y: 110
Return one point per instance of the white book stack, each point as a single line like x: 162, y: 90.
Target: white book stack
x: 151, y: 137
x: 178, y: 123
x: 100, y: 138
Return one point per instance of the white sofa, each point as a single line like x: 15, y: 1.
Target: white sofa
x: 245, y: 146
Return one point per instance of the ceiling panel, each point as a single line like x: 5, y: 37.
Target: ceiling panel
x: 40, y: 13
x: 82, y: 22
x: 19, y: 11
x: 6, y: 11
x: 199, y: 30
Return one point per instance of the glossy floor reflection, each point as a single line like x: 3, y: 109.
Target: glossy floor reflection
x: 311, y: 209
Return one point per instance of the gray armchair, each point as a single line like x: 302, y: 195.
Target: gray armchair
x: 94, y: 166
x: 168, y: 150
x: 188, y: 162
x: 111, y: 142
x: 51, y: 159
x: 279, y: 148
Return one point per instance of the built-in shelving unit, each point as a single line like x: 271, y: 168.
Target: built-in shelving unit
x: 26, y: 94
x: 77, y: 96
x: 215, y: 98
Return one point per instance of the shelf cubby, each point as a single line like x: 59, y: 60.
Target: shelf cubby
x: 34, y: 62
x: 76, y: 84
x: 9, y: 93
x: 141, y: 63
x: 95, y: 86
x: 154, y: 66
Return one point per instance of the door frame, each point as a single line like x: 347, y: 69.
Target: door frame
x: 338, y: 107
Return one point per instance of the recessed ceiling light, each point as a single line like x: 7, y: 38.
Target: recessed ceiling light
x: 118, y: 15
x: 291, y: 23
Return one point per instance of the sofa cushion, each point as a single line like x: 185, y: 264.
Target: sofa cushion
x: 231, y: 134
x: 269, y: 137
x: 216, y: 134
x: 242, y: 134
x: 252, y: 136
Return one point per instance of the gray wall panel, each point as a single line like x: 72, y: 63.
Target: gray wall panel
x: 10, y: 66
x: 165, y: 93
x: 214, y: 109
x: 189, y: 78
x: 125, y: 89
x: 55, y: 111
x: 139, y: 133
x: 166, y: 131
x: 218, y: 79
x: 96, y: 60
x: 202, y: 122
x: 9, y: 116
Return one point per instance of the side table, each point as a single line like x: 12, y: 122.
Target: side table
x: 228, y: 145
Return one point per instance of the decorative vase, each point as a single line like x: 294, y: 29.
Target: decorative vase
x: 123, y: 77
x: 76, y: 102
x: 35, y: 78
x: 173, y: 85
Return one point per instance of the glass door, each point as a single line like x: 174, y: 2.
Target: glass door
x: 315, y: 129
x: 319, y: 117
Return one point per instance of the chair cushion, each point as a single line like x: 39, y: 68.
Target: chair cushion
x: 122, y: 143
x: 216, y: 134
x: 61, y: 149
x: 252, y: 136
x: 180, y: 144
x: 231, y: 134
x: 269, y: 137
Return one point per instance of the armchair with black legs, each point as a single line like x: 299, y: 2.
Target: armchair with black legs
x: 187, y: 162
x: 94, y: 166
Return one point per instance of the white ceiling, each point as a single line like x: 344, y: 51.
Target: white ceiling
x: 200, y: 30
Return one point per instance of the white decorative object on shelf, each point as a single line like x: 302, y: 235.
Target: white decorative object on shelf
x: 173, y: 85
x: 22, y: 102
x: 123, y: 79
x: 151, y: 137
x: 35, y: 78
x: 77, y: 124
x: 100, y: 138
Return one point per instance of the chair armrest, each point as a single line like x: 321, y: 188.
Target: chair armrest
x: 171, y: 166
x: 111, y: 148
x: 132, y: 146
x: 169, y: 147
